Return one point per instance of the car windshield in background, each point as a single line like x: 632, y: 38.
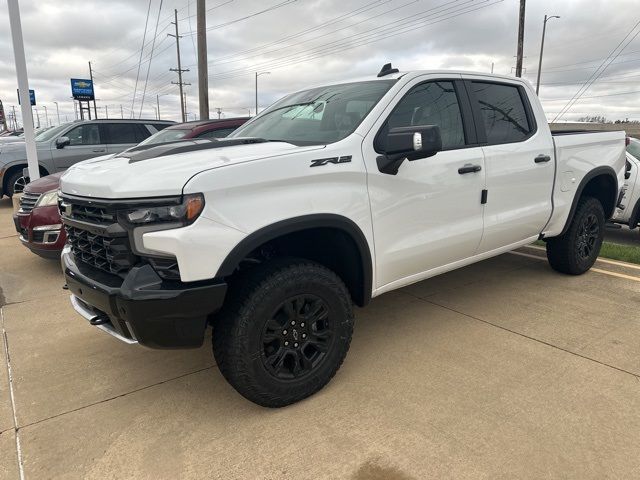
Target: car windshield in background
x: 166, y: 135
x: 51, y: 133
x: 317, y: 116
x: 634, y: 148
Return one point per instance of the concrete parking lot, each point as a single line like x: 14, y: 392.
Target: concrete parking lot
x: 504, y: 369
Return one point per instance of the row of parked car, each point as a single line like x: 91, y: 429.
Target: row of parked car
x: 38, y: 218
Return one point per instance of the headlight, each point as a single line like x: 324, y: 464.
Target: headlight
x: 184, y: 213
x: 47, y: 198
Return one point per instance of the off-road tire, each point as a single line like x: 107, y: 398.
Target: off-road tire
x: 564, y: 252
x: 253, y: 301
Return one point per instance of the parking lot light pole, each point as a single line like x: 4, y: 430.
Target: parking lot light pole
x: 544, y: 28
x: 257, y: 75
x: 23, y: 87
x: 46, y: 116
x: 57, y: 112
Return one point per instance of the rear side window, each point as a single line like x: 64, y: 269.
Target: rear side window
x: 220, y: 133
x: 503, y: 112
x: 120, y: 133
x: 161, y: 126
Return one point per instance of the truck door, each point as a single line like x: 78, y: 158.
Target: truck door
x: 519, y: 161
x: 84, y: 142
x: 429, y: 214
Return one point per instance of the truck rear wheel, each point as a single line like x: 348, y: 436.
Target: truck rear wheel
x: 576, y: 251
x: 284, y: 332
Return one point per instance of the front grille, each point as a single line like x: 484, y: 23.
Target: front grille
x: 93, y: 214
x: 28, y: 201
x: 110, y: 254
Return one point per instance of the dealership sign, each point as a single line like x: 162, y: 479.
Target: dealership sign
x: 82, y: 89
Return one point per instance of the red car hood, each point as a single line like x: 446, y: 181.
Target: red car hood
x: 44, y: 184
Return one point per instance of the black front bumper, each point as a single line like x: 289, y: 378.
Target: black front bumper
x: 143, y: 308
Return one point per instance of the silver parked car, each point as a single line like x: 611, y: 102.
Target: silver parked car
x: 60, y: 147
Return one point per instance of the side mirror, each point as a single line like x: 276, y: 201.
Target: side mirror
x: 409, y: 143
x: 62, y: 142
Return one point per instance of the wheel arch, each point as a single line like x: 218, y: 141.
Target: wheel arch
x: 332, y: 240
x: 600, y: 183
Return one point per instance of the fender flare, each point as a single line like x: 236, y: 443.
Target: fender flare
x: 596, y: 172
x: 297, y: 224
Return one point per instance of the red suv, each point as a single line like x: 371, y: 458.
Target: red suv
x: 38, y: 219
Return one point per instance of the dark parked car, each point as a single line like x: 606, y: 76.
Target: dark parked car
x: 38, y: 219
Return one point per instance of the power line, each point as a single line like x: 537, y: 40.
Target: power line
x: 371, y: 36
x: 246, y: 17
x: 133, y: 101
x: 603, y: 66
x: 144, y: 92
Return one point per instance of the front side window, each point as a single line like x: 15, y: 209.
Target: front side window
x: 317, y: 116
x: 118, y: 133
x: 431, y: 103
x: 503, y: 112
x: 84, y: 135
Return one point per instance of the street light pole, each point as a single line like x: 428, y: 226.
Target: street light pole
x: 257, y: 75
x: 46, y: 116
x: 57, y: 112
x: 544, y: 29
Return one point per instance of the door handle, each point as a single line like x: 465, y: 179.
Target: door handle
x: 542, y: 159
x: 469, y: 169
x: 99, y: 150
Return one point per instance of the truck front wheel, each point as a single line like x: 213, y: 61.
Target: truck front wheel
x: 284, y: 332
x: 576, y: 251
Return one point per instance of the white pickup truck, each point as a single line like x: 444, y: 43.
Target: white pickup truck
x: 628, y: 212
x: 332, y: 196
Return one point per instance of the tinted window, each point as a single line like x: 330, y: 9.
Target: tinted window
x: 84, y: 135
x: 220, y: 133
x: 432, y: 103
x: 120, y: 133
x: 503, y: 112
x: 142, y: 132
x: 161, y: 126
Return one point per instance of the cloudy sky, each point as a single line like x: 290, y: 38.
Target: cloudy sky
x: 303, y: 42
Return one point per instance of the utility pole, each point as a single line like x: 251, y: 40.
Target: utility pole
x: 180, y: 83
x: 544, y: 28
x: 15, y: 118
x: 95, y: 109
x: 57, y: 112
x: 219, y: 111
x: 158, y: 105
x: 46, y: 116
x: 491, y: 67
x: 23, y: 88
x: 520, y: 39
x: 106, y: 112
x: 203, y: 74
x: 121, y: 112
x: 38, y: 117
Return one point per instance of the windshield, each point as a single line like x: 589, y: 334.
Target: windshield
x: 317, y: 116
x: 50, y: 133
x: 166, y: 135
x: 634, y: 148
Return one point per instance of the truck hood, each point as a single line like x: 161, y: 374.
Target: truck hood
x: 44, y: 184
x: 121, y: 177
